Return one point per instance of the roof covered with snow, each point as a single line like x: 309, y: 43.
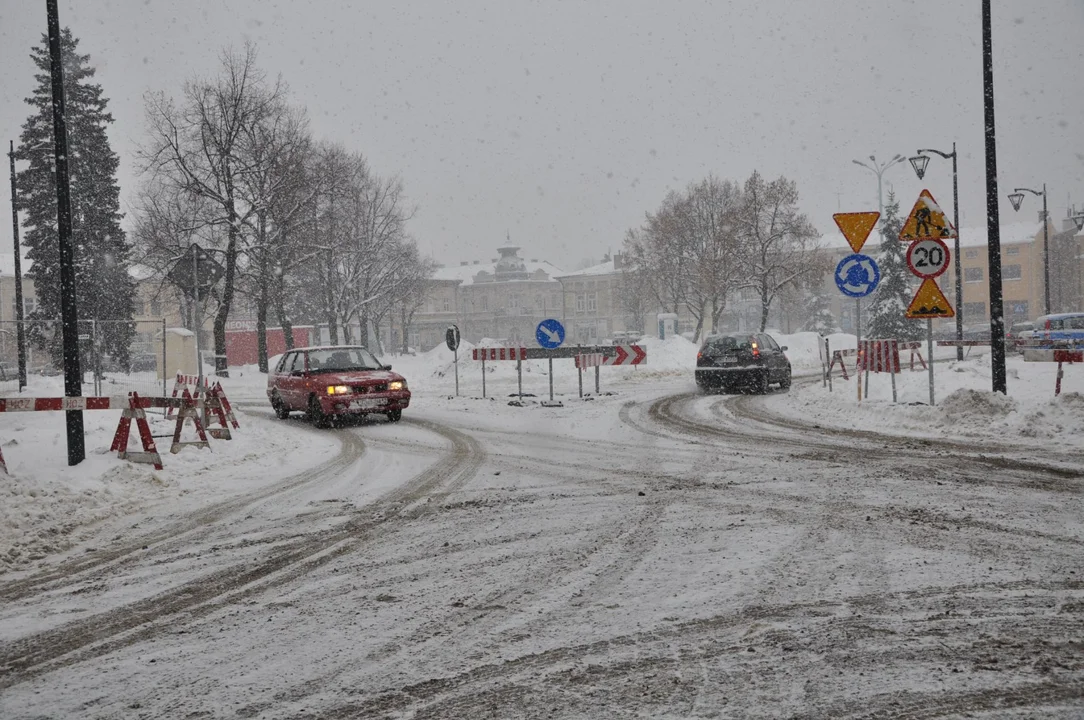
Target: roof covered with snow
x: 465, y: 274
x: 606, y: 268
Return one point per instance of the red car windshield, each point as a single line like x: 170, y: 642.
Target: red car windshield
x: 341, y: 359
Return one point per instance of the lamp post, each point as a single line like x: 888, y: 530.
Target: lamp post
x: 919, y: 163
x: 1017, y: 199
x: 877, y: 169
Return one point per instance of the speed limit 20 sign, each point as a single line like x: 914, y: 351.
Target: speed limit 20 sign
x: 928, y: 258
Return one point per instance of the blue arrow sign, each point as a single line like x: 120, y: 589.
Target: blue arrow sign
x: 857, y: 275
x: 550, y: 334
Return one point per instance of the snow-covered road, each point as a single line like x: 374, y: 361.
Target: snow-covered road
x: 653, y: 553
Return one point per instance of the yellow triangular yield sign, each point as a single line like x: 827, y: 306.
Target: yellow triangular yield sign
x: 856, y: 227
x: 929, y: 302
x: 927, y: 221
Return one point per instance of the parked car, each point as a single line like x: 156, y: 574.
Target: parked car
x: 752, y: 360
x: 144, y: 362
x: 1059, y: 329
x: 331, y: 381
x: 1019, y: 335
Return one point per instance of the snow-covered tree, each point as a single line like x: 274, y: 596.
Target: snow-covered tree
x: 885, y: 317
x: 104, y: 290
x: 819, y: 317
x: 778, y: 243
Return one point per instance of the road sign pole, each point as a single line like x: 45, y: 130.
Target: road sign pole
x: 519, y: 376
x: 455, y: 362
x: 597, y: 391
x: 20, y: 329
x: 579, y: 373
x: 483, y: 376
x: 828, y: 355
x: 893, y: 358
x: 929, y: 352
x: 551, y: 379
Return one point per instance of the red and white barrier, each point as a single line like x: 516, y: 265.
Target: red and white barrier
x: 192, y: 384
x: 134, y: 407
x: 1060, y: 356
x: 501, y: 353
x: 588, y: 360
x: 880, y: 356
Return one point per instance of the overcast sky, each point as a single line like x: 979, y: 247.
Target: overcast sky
x: 562, y: 123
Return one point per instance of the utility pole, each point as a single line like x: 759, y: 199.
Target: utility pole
x: 993, y: 221
x: 73, y: 380
x: 20, y: 319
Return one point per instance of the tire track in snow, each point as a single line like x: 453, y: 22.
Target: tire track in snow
x: 180, y: 533
x: 819, y: 632
x: 142, y: 620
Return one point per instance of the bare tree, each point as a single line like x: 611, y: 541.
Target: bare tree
x: 778, y: 243
x: 200, y: 148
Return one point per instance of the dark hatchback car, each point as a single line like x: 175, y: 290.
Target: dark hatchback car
x: 745, y: 360
x: 329, y: 381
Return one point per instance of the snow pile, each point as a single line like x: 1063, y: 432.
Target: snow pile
x: 965, y: 407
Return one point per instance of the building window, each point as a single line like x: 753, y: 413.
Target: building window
x: 592, y: 302
x: 971, y: 253
x: 581, y: 302
x: 485, y: 303
x: 975, y: 310
x: 29, y: 305
x: 974, y: 274
x: 1010, y: 272
x: 513, y: 300
x: 1012, y: 250
x: 447, y: 305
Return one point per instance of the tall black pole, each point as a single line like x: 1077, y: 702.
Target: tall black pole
x: 73, y: 381
x: 993, y: 222
x: 1046, y: 253
x: 959, y: 270
x: 20, y: 329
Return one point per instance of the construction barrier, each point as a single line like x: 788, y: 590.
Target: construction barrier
x: 134, y: 407
x: 1058, y: 355
x: 589, y: 360
x: 193, y: 383
x: 880, y: 356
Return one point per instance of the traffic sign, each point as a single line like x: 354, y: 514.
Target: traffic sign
x: 928, y: 258
x: 627, y: 355
x: 927, y: 221
x: 857, y: 275
x: 550, y: 333
x: 451, y: 338
x: 929, y: 302
x: 856, y: 227
x: 195, y: 268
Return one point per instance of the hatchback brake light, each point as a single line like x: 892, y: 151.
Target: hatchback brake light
x: 756, y: 350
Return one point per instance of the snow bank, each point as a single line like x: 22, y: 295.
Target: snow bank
x: 47, y: 507
x: 965, y: 407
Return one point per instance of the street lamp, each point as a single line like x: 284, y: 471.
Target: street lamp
x: 1017, y: 199
x: 878, y: 170
x: 919, y: 163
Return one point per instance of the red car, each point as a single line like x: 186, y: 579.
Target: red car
x: 330, y: 381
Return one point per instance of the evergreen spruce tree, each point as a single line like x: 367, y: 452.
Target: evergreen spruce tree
x: 820, y: 318
x: 104, y: 288
x: 898, y: 284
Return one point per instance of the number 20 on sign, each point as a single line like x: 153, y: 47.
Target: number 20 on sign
x: 928, y: 258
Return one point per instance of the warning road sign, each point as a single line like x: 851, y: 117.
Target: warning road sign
x: 856, y: 227
x: 927, y: 221
x: 929, y: 302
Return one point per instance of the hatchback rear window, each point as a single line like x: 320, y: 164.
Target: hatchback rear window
x: 742, y: 342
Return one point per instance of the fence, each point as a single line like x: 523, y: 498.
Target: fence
x: 145, y: 370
